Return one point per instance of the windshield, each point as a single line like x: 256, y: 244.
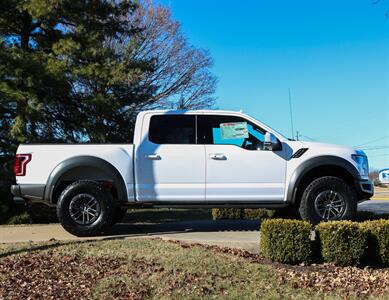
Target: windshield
x: 275, y: 131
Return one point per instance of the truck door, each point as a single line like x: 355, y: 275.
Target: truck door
x: 169, y: 165
x: 237, y: 166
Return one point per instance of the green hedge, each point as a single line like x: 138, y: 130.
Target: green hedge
x: 286, y: 241
x: 239, y: 213
x: 343, y: 243
x: 258, y: 213
x: 226, y: 213
x: 378, y: 241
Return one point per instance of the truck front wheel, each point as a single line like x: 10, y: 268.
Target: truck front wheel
x: 85, y: 208
x: 328, y: 198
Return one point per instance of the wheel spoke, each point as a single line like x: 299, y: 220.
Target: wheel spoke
x: 77, y: 214
x: 90, y: 202
x: 92, y: 211
x: 330, y: 205
x: 84, y: 209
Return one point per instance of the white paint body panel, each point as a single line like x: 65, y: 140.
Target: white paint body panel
x: 46, y: 157
x: 178, y: 174
x: 186, y: 172
x: 244, y: 175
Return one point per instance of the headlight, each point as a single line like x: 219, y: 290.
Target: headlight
x: 363, y: 164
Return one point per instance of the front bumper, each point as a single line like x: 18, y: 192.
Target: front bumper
x: 365, y: 189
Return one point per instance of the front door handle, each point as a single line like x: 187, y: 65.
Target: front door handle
x: 217, y: 156
x: 153, y: 156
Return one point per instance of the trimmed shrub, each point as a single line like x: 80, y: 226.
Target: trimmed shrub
x: 257, y: 213
x: 378, y: 241
x: 23, y: 218
x: 286, y: 241
x: 246, y: 213
x: 226, y: 213
x: 342, y: 242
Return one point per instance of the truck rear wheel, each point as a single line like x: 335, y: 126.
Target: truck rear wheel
x: 85, y: 208
x: 328, y: 199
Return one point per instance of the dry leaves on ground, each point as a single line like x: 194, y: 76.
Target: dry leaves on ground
x: 61, y: 276
x: 323, y: 277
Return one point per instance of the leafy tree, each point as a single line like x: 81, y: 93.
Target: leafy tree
x: 74, y: 71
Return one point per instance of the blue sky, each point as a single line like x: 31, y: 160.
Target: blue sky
x: 333, y: 55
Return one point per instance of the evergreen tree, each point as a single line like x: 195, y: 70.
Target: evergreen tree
x: 76, y: 71
x: 60, y: 81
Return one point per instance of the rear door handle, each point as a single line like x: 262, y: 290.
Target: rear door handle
x: 217, y: 156
x: 153, y: 156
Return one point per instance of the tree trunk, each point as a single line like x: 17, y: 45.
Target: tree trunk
x: 26, y: 30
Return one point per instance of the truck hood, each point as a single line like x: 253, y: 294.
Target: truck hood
x: 315, y: 145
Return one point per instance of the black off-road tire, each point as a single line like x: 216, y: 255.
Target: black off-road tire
x: 104, y: 198
x: 307, y: 206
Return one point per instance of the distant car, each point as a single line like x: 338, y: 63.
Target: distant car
x: 383, y: 176
x: 191, y: 159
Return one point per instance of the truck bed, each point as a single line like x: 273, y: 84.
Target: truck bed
x: 46, y: 157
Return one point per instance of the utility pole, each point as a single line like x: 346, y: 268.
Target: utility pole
x: 291, y: 113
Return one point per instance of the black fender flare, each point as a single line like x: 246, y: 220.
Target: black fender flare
x: 310, y: 164
x: 85, y: 161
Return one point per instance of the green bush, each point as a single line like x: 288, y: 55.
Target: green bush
x: 378, y: 241
x: 342, y: 242
x: 23, y: 218
x: 238, y: 213
x: 286, y: 241
x: 257, y: 213
x: 226, y: 213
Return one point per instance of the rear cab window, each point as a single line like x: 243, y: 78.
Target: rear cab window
x: 172, y: 129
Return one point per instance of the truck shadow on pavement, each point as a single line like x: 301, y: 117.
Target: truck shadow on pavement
x: 149, y: 229
x: 204, y: 229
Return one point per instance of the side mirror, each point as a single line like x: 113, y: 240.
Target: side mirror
x: 271, y: 143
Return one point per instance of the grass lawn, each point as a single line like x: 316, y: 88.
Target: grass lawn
x: 154, y: 269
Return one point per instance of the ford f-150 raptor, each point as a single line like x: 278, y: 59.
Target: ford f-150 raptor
x: 191, y: 159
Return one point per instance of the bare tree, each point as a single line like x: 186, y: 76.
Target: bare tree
x: 180, y: 73
x: 374, y: 2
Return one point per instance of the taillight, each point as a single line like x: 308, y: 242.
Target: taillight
x: 20, y: 164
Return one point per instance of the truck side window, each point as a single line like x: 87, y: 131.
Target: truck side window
x: 172, y: 129
x: 248, y: 135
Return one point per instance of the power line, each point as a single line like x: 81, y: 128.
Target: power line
x: 375, y: 148
x: 309, y: 138
x: 379, y: 155
x: 373, y: 141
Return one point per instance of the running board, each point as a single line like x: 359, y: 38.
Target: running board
x: 270, y: 205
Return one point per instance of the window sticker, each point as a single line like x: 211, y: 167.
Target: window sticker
x: 237, y: 130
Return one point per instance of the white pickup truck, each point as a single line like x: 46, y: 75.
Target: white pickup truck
x: 191, y: 159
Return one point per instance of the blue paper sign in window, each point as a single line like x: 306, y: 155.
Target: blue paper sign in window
x: 236, y: 130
